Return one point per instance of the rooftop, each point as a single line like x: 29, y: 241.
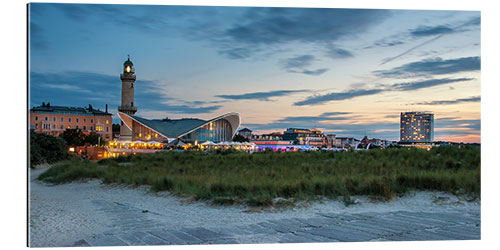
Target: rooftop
x: 47, y: 108
x: 175, y: 128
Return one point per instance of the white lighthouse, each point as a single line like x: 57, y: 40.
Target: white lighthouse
x: 127, y: 105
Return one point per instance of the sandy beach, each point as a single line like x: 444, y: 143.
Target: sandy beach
x: 60, y: 215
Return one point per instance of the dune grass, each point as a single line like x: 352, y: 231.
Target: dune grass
x: 226, y: 177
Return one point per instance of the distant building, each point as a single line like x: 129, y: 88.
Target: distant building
x: 53, y: 120
x: 311, y: 137
x: 245, y: 132
x: 330, y: 141
x: 366, y: 143
x: 275, y: 136
x: 416, y: 127
x: 346, y: 142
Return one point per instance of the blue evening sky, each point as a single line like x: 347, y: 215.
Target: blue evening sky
x: 349, y: 72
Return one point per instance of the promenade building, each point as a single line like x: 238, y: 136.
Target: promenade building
x: 187, y: 130
x: 330, y: 141
x: 416, y: 127
x: 245, y: 132
x: 53, y: 120
x: 346, y: 142
x: 311, y: 137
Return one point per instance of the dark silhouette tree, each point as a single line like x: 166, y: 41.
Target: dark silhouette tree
x: 73, y: 137
x: 93, y: 139
x: 46, y: 149
x: 240, y: 138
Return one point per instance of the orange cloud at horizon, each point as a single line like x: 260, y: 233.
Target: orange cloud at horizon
x: 460, y: 138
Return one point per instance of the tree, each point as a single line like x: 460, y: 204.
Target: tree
x: 73, y: 137
x: 115, y: 128
x: 46, y: 149
x: 240, y: 138
x: 93, y: 139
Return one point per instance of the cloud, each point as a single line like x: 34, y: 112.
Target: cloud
x: 455, y: 122
x: 314, y: 72
x: 319, y: 99
x: 148, y: 19
x: 278, y: 25
x: 36, y: 38
x: 435, y: 66
x: 385, y: 43
x: 431, y: 30
x: 311, y: 119
x: 76, y: 88
x: 236, y: 53
x: 393, y: 116
x: 338, y: 53
x: 426, y: 83
x: 67, y: 87
x: 445, y: 102
x: 335, y: 113
x: 262, y: 96
x: 267, y: 27
x: 185, y: 109
x: 299, y: 64
x: 437, y: 32
x: 349, y: 94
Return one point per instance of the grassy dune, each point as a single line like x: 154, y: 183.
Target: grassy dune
x: 226, y: 177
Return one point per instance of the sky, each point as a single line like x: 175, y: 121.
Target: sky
x: 349, y: 72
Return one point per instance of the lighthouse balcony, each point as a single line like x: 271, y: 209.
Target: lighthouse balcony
x: 127, y: 108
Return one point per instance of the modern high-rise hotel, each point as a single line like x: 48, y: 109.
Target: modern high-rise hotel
x: 416, y: 127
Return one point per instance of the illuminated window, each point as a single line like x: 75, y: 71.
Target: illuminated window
x: 107, y: 121
x: 98, y: 128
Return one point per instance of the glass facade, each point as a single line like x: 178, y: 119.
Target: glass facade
x: 186, y: 130
x: 216, y: 131
x: 142, y: 133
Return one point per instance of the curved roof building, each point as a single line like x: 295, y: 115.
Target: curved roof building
x: 218, y: 129
x: 134, y: 128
